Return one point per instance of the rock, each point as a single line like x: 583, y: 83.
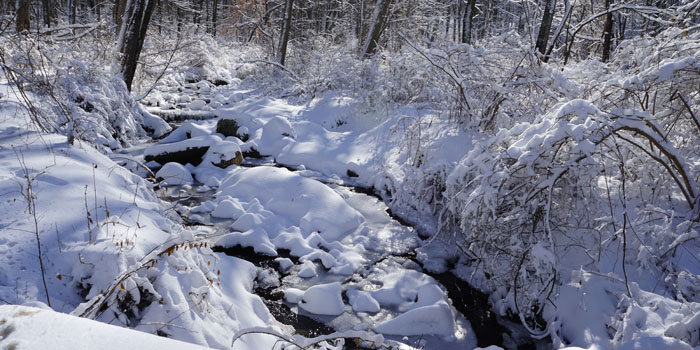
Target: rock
x: 183, y: 152
x: 197, y: 105
x: 227, y: 127
x: 189, y: 155
x: 224, y: 154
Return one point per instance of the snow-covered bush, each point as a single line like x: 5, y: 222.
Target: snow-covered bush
x: 68, y: 88
x: 604, y: 183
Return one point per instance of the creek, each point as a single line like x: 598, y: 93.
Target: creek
x: 469, y: 302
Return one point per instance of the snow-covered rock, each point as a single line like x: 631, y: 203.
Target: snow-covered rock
x: 308, y: 270
x: 223, y: 154
x: 228, y: 209
x: 363, y: 302
x: 434, y: 319
x: 323, y: 299
x: 175, y: 174
x: 303, y: 202
x: 197, y: 105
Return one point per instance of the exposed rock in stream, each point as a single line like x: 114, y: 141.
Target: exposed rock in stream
x: 190, y: 155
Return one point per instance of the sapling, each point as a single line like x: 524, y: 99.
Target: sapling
x: 30, y: 196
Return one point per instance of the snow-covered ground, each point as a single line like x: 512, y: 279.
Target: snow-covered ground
x: 24, y: 327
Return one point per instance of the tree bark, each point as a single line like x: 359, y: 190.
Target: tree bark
x: 284, y: 35
x: 46, y: 8
x: 545, y: 27
x: 379, y: 18
x: 470, y: 11
x: 119, y: 8
x: 132, y: 36
x: 73, y: 10
x: 23, y: 15
x: 607, y: 33
x: 213, y: 17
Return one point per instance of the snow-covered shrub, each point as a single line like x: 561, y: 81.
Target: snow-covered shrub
x: 604, y: 183
x: 70, y: 90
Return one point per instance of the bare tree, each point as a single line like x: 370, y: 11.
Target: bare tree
x: 132, y: 35
x: 379, y: 19
x: 23, y: 15
x: 545, y: 27
x: 286, y: 28
x: 46, y: 9
x: 607, y: 32
x: 468, y: 18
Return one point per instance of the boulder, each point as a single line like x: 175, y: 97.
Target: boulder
x: 227, y: 127
x: 223, y: 154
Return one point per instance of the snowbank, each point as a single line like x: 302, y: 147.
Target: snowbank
x: 34, y: 328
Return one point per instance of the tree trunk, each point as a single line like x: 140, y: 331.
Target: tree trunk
x: 545, y: 27
x: 284, y: 35
x: 379, y: 18
x: 119, y: 8
x: 214, y: 9
x: 132, y: 36
x: 73, y: 10
x: 23, y: 15
x: 468, y: 18
x: 46, y: 8
x: 607, y: 33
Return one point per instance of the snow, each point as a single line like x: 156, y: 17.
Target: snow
x: 303, y: 202
x: 227, y: 209
x: 434, y: 319
x: 530, y: 208
x: 106, y: 234
x: 362, y: 301
x: 42, y: 328
x: 174, y: 174
x: 323, y: 299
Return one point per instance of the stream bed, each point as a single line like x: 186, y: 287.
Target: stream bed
x: 468, y: 303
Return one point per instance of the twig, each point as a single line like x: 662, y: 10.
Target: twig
x: 294, y: 76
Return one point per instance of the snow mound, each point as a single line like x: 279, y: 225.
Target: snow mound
x: 434, y: 319
x: 303, y: 202
x: 323, y: 299
x: 362, y: 301
x: 34, y: 328
x: 175, y: 174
